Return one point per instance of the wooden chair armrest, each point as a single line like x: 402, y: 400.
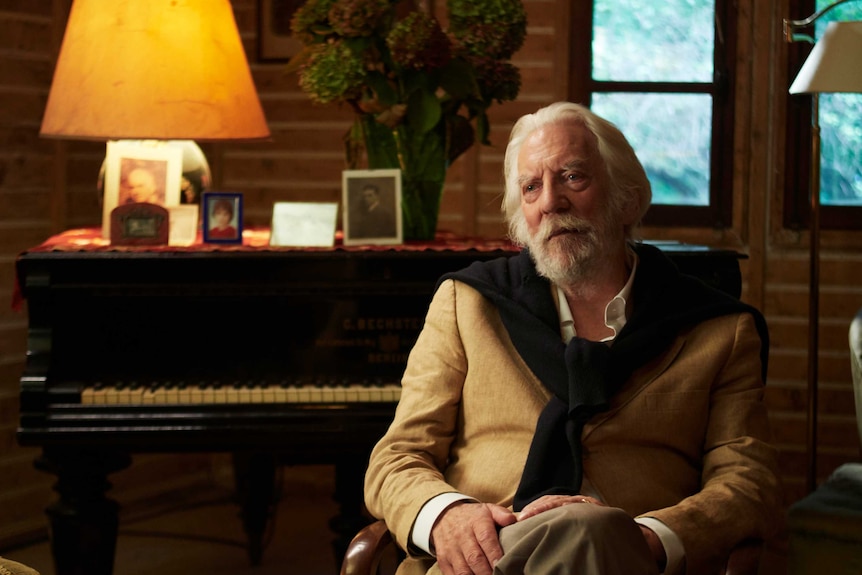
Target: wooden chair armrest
x: 744, y: 559
x: 366, y: 549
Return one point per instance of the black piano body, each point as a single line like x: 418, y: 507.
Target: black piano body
x: 275, y: 355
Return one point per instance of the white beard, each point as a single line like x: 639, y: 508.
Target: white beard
x: 565, y: 259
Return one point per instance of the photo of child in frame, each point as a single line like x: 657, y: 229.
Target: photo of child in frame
x: 222, y: 217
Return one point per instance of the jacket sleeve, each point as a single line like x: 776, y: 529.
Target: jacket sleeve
x: 406, y: 466
x: 741, y: 494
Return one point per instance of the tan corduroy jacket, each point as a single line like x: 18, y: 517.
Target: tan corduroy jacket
x: 685, y: 440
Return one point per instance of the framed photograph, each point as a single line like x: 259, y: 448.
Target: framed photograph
x: 275, y: 42
x: 138, y: 173
x: 222, y: 217
x: 305, y: 224
x: 372, y: 207
x: 139, y: 224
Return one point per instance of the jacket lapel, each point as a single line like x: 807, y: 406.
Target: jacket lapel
x: 636, y: 385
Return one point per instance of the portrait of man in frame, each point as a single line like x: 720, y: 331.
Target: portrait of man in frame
x: 139, y: 172
x: 372, y: 207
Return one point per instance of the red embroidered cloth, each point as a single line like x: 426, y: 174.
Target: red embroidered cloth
x: 253, y: 240
x: 257, y: 239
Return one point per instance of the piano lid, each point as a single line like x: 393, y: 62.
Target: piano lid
x: 227, y: 313
x: 223, y: 312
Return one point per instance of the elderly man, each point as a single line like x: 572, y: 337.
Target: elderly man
x: 581, y: 407
x: 141, y: 187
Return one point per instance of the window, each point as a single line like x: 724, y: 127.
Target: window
x: 663, y: 72
x: 840, y: 136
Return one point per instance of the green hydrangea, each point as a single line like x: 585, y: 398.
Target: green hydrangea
x: 311, y: 21
x: 401, y: 71
x: 332, y: 73
x: 356, y: 18
x: 488, y: 28
x: 418, y: 42
x: 498, y: 80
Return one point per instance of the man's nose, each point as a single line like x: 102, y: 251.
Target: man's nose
x: 553, y: 198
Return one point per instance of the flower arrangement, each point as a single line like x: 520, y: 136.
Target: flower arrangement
x: 420, y: 91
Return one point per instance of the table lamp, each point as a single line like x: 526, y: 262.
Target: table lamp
x: 150, y: 70
x: 832, y: 66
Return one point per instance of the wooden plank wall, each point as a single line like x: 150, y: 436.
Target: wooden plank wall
x: 48, y: 186
x: 26, y: 46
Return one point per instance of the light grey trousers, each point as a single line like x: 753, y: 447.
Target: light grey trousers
x: 577, y: 539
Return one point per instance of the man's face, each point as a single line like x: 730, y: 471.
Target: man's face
x: 369, y: 197
x: 142, y: 185
x: 567, y: 220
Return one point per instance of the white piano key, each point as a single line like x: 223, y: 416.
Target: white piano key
x: 247, y: 393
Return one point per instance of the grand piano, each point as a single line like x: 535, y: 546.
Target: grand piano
x: 275, y: 355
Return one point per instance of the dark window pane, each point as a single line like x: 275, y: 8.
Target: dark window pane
x: 650, y: 41
x: 671, y: 134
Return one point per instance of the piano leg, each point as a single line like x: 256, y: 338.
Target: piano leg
x: 83, y: 521
x: 254, y: 474
x: 349, y: 480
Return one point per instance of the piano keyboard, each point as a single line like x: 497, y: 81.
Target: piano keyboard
x: 179, y: 393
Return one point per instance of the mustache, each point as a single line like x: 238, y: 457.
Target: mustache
x: 553, y: 226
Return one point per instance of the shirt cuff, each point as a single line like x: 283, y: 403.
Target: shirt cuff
x: 673, y: 548
x: 428, y: 515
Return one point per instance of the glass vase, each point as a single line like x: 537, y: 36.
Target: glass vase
x: 421, y: 157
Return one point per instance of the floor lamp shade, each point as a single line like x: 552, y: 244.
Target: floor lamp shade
x: 835, y: 62
x: 153, y: 69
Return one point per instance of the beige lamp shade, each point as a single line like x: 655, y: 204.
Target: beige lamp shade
x: 153, y: 69
x: 835, y: 63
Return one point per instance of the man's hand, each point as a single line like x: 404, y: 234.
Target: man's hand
x: 465, y: 537
x: 548, y: 502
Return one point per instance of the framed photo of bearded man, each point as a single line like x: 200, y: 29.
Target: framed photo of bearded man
x: 140, y: 173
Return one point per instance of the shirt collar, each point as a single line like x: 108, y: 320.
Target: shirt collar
x: 616, y: 311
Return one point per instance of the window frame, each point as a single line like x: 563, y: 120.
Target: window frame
x: 581, y: 85
x: 797, y: 150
